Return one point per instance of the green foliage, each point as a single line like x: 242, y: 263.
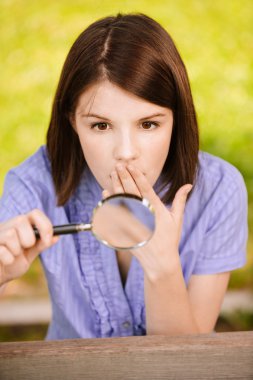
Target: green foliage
x: 214, y: 37
x: 236, y: 321
x: 20, y: 333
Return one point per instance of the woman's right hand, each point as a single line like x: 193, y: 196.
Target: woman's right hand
x: 19, y: 246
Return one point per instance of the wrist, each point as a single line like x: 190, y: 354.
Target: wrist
x: 164, y: 269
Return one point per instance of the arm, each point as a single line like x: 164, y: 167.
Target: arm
x: 168, y: 308
x: 171, y: 308
x: 192, y: 310
x: 206, y: 293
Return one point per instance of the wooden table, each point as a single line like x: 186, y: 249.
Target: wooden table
x: 213, y: 356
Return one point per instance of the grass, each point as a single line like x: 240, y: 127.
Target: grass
x: 214, y: 38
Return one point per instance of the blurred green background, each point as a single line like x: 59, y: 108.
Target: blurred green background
x: 215, y: 39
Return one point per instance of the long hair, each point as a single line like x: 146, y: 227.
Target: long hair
x: 137, y: 54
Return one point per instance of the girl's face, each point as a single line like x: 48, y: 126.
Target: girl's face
x: 115, y: 126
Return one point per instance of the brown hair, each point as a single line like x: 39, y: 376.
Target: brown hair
x: 134, y: 52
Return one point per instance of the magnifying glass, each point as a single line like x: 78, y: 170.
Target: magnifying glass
x: 121, y: 221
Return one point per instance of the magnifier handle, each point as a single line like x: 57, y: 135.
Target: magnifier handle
x: 60, y: 230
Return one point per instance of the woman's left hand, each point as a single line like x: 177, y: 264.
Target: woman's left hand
x: 159, y: 257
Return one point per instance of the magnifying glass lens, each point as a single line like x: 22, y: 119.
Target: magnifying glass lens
x: 123, y: 222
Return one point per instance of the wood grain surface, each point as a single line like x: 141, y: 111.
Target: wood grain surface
x: 212, y: 356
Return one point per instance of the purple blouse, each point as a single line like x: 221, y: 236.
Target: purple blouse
x: 88, y: 299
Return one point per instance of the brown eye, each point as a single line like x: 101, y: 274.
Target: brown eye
x: 149, y: 125
x: 100, y: 126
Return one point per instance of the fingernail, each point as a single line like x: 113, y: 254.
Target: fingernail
x: 130, y: 167
x: 55, y: 239
x: 188, y: 189
x: 119, y: 167
x: 48, y: 239
x: 105, y: 194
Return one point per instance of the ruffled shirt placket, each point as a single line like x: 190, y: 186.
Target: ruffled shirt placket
x: 120, y: 311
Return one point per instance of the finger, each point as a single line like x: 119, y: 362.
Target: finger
x: 6, y: 258
x: 116, y: 184
x: 178, y: 204
x: 127, y: 180
x: 33, y: 252
x: 143, y: 185
x: 105, y: 194
x: 43, y: 224
x: 9, y: 238
x: 24, y: 231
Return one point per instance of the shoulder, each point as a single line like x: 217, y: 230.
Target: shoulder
x: 216, y: 169
x: 218, y: 177
x: 35, y: 169
x: 219, y: 200
x: 37, y: 166
x: 29, y: 185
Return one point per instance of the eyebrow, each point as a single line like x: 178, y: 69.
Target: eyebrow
x: 105, y: 118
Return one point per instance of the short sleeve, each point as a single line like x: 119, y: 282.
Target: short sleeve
x: 224, y: 244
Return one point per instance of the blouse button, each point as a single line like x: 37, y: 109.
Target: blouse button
x: 126, y: 324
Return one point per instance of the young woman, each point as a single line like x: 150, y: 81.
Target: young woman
x: 123, y: 120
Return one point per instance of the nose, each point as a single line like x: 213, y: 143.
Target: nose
x: 126, y: 148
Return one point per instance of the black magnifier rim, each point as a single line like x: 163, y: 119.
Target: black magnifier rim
x: 144, y: 201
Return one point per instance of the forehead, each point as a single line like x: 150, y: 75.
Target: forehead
x: 107, y: 98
